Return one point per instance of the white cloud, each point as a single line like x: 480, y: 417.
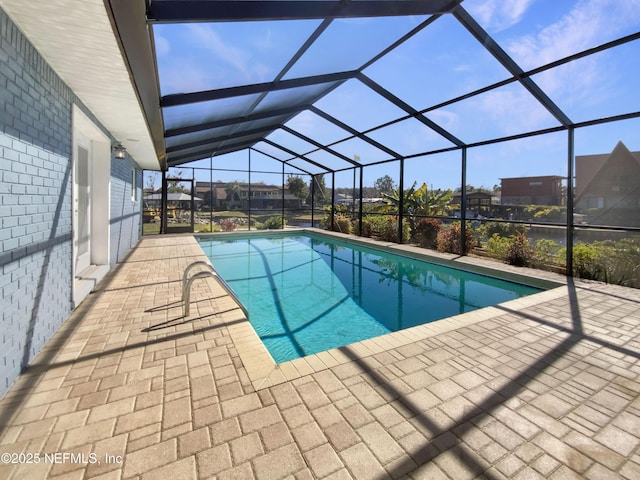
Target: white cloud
x: 162, y: 45
x: 506, y: 111
x: 463, y: 68
x: 589, y: 23
x: 305, y: 122
x: 514, y: 107
x: 496, y: 15
x: 199, y: 58
x: 445, y: 118
x: 208, y: 39
x: 265, y: 41
x: 184, y: 76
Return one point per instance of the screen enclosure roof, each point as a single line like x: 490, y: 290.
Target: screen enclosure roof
x: 331, y: 85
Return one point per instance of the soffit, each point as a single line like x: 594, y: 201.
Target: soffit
x: 77, y: 41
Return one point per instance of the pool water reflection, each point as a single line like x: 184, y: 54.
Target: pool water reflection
x: 308, y: 293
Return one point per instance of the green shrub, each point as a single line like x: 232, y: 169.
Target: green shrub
x: 448, y: 239
x: 488, y: 229
x: 519, y: 251
x: 373, y: 225
x: 367, y: 227
x: 608, y: 261
x: 340, y: 211
x: 497, y: 247
x: 624, y: 263
x: 426, y: 232
x: 343, y: 224
x: 207, y: 228
x: 585, y: 261
x: 385, y: 227
x: 388, y: 229
x: 551, y: 214
x: 272, y: 223
x: 545, y: 254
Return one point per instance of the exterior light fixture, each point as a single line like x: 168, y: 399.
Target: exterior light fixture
x: 120, y: 151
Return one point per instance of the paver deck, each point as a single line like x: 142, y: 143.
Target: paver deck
x: 547, y: 387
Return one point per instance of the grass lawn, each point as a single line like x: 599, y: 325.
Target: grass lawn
x: 151, y: 228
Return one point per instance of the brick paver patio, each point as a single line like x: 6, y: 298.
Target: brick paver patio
x: 543, y: 388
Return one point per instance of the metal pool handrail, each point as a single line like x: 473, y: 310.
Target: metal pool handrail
x: 187, y: 281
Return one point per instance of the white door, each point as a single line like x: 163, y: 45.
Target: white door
x: 82, y: 208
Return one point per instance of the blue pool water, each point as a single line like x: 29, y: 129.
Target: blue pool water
x: 308, y: 293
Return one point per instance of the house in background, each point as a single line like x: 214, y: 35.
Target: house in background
x: 70, y: 209
x: 478, y: 203
x: 235, y: 195
x: 180, y: 200
x: 343, y: 199
x: 215, y: 193
x: 542, y: 190
x: 607, y: 187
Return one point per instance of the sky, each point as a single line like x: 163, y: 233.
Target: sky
x: 441, y: 62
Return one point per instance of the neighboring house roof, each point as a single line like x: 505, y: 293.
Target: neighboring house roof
x: 263, y: 188
x: 287, y: 196
x: 457, y: 197
x: 242, y: 186
x: 537, y: 177
x: 221, y: 193
x: 589, y: 166
x: 343, y: 198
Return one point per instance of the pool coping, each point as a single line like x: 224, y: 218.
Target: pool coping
x: 264, y: 372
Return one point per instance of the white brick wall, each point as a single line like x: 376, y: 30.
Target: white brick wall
x: 125, y: 215
x: 35, y: 202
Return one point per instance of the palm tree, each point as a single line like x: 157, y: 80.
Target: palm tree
x: 421, y: 201
x: 430, y: 202
x: 393, y: 200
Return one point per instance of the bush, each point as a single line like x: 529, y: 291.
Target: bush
x: 519, y: 251
x: 227, y: 225
x: 388, y: 229
x: 545, y: 253
x: 623, y: 266
x: 448, y: 239
x: 385, y: 227
x: 607, y: 261
x: 585, y: 261
x: 342, y: 224
x: 272, y: 223
x: 367, y: 227
x: 551, y: 214
x: 207, y: 228
x: 340, y: 211
x: 497, y: 247
x: 625, y: 263
x: 426, y: 232
x: 502, y: 229
x: 515, y: 249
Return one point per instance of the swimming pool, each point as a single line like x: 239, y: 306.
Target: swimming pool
x: 307, y: 293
